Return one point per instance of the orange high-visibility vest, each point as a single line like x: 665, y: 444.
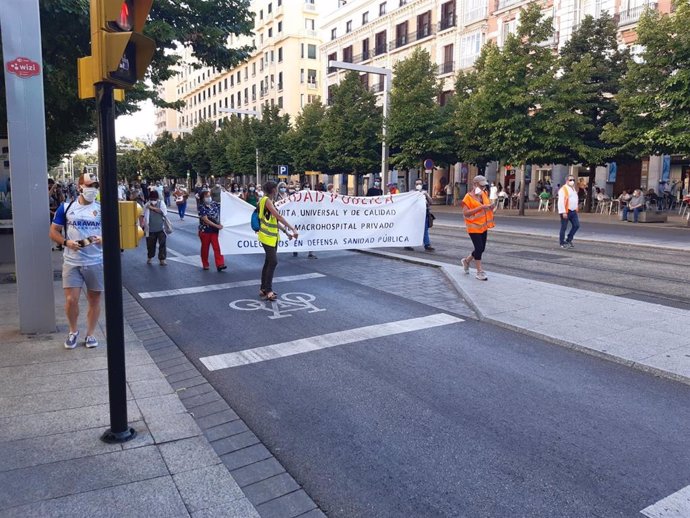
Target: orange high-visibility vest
x: 481, y: 221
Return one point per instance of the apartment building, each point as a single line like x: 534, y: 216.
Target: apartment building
x: 285, y: 69
x: 166, y: 118
x: 382, y: 32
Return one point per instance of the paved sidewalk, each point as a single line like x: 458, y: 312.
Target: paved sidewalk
x: 53, y: 410
x: 645, y: 336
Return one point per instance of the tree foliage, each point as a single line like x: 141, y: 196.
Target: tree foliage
x: 654, y: 105
x: 352, y: 128
x: 416, y: 128
x: 305, y: 141
x: 204, y: 26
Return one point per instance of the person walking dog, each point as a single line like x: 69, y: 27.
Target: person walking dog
x: 479, y: 218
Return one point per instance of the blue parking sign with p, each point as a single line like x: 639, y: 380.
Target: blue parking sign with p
x: 282, y: 169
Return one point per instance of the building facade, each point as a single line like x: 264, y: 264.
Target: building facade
x: 382, y: 32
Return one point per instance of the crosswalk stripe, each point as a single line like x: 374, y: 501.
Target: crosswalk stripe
x: 315, y: 343
x: 225, y: 286
x: 676, y: 505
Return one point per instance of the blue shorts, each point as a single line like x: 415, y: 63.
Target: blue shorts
x: 78, y: 276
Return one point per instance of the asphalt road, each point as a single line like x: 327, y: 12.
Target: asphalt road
x: 463, y: 419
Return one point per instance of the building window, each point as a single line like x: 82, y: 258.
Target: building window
x: 365, y: 49
x: 364, y: 79
x: 280, y: 27
x: 424, y: 25
x: 311, y: 77
x: 402, y: 2
x: 270, y: 32
x: 280, y: 81
x: 470, y: 48
x: 280, y: 2
x: 254, y: 69
x: 246, y: 73
x: 270, y: 8
x: 332, y: 57
x: 447, y: 66
x: 365, y: 18
x: 382, y: 9
x: 280, y: 102
x: 309, y: 24
x: 253, y: 93
x: 448, y: 15
x: 445, y: 97
x: 333, y: 33
x: 400, y: 35
x: 280, y: 54
x: 246, y: 95
x: 347, y: 54
x: 301, y: 50
x: 348, y: 26
x: 311, y: 51
x: 239, y: 78
x: 380, y: 43
x: 261, y: 14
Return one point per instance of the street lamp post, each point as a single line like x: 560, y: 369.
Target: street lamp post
x: 256, y: 114
x: 387, y: 82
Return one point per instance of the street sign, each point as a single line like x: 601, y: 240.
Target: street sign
x: 428, y: 164
x: 283, y: 170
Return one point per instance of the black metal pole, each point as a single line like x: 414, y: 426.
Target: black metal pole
x: 119, y: 431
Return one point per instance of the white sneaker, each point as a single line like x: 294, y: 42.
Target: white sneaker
x: 465, y: 265
x: 71, y: 341
x: 482, y: 276
x: 91, y: 342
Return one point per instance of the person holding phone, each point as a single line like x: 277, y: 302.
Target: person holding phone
x: 83, y: 257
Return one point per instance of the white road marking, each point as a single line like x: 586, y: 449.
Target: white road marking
x: 676, y: 505
x: 315, y: 343
x: 225, y: 286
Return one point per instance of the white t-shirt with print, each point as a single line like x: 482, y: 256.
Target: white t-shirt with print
x: 81, y: 221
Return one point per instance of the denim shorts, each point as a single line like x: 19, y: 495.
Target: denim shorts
x: 78, y: 276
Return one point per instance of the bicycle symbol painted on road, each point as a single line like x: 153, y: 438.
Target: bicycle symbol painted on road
x: 283, y: 307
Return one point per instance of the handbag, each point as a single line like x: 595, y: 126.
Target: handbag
x: 431, y: 219
x: 167, y: 226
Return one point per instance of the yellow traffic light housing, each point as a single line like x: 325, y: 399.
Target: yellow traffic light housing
x: 130, y: 227
x: 120, y: 53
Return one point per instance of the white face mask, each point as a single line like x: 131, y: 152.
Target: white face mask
x: 89, y: 194
x: 477, y: 190
x: 571, y: 182
x: 207, y: 201
x: 377, y: 184
x: 282, y: 189
x: 251, y: 189
x: 418, y: 186
x: 154, y: 203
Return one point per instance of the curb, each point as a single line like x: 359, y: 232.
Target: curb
x: 449, y: 273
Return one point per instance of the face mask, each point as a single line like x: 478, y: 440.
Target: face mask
x: 377, y: 185
x: 282, y: 189
x: 207, y: 201
x: 251, y: 189
x: 477, y: 190
x: 154, y: 203
x: 89, y: 194
x: 418, y: 187
x: 571, y: 182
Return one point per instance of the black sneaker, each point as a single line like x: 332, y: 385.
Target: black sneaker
x: 429, y: 248
x: 221, y: 268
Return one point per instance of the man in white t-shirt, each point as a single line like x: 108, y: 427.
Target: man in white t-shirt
x: 83, y: 257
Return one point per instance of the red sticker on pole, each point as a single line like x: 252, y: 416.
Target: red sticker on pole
x: 23, y: 67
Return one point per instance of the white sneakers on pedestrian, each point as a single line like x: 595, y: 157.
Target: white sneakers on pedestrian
x: 465, y: 265
x: 481, y: 275
x: 71, y: 341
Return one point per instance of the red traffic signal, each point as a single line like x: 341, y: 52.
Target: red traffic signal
x: 125, y: 20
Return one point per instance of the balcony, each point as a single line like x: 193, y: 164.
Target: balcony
x: 380, y: 49
x: 475, y: 14
x: 280, y: 87
x: 311, y: 85
x: 401, y: 41
x: 446, y: 68
x: 632, y: 15
x: 309, y: 6
x: 447, y: 23
x: 264, y: 92
x: 376, y: 88
x: 502, y: 4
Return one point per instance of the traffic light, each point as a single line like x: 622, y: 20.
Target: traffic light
x: 120, y: 53
x: 130, y: 228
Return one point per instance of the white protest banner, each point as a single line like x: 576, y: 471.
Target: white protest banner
x: 329, y: 222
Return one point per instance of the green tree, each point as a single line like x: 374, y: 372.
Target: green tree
x: 240, y: 150
x: 202, y: 25
x: 352, y: 128
x: 653, y: 100
x: 415, y: 125
x: 196, y: 147
x: 271, y: 138
x: 305, y: 140
x: 128, y: 165
x: 592, y: 67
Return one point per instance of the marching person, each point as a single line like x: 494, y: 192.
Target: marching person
x: 376, y: 189
x: 155, y: 213
x: 271, y: 221
x: 209, y: 225
x: 82, y: 258
x: 181, y: 201
x: 419, y: 187
x: 479, y: 218
x: 568, y: 200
